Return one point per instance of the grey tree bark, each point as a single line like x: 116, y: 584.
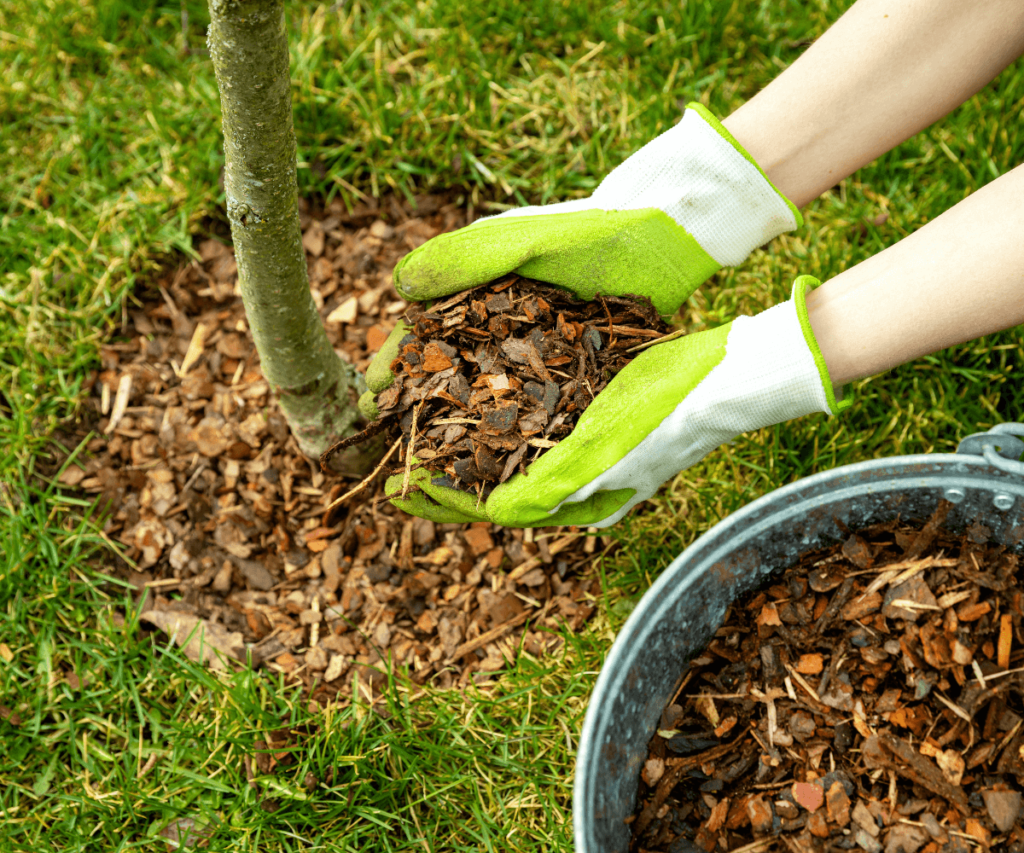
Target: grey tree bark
x: 249, y: 46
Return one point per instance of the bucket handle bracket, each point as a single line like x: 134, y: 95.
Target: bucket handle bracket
x: 1000, y: 447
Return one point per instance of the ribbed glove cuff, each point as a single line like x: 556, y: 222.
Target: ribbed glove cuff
x: 698, y: 174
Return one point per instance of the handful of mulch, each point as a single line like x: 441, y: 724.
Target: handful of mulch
x: 489, y: 379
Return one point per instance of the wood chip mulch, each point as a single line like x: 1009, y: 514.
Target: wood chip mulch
x: 488, y: 379
x: 871, y: 698
x: 225, y: 519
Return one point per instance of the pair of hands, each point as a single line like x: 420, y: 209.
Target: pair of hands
x: 688, y: 203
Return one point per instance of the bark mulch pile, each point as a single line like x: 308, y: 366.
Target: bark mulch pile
x: 502, y: 371
x: 225, y: 519
x: 869, y: 699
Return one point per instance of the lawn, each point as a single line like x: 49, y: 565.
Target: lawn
x: 111, y: 155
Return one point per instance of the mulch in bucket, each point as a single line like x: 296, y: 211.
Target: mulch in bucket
x: 869, y: 699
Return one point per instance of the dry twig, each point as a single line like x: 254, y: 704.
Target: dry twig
x: 366, y: 480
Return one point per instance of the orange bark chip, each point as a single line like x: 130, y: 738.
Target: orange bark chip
x: 809, y: 795
x: 1005, y: 640
x: 810, y: 664
x: 434, y: 360
x: 718, y: 815
x: 769, y: 615
x: 973, y: 612
x: 375, y: 337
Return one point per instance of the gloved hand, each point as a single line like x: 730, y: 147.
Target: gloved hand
x: 686, y: 204
x: 669, y: 407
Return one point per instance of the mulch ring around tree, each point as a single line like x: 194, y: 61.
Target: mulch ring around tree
x: 870, y: 698
x: 224, y: 519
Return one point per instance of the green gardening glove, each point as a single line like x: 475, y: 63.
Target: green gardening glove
x: 683, y: 206
x: 670, y: 407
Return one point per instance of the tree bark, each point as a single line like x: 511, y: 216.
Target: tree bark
x: 249, y: 46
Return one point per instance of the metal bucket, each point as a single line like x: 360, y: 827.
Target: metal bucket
x: 680, y: 613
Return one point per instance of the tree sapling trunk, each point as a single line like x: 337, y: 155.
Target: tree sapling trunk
x: 249, y: 46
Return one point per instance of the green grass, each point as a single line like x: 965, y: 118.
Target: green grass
x: 109, y: 138
x: 147, y: 740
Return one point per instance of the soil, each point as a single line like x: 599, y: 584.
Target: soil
x: 489, y: 379
x: 224, y: 522
x: 870, y: 698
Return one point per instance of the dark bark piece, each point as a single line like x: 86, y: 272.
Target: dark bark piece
x: 487, y: 463
x: 389, y: 396
x: 689, y: 744
x: 412, y: 352
x: 509, y: 441
x: 771, y: 662
x: 459, y: 387
x: 914, y: 591
x: 550, y: 399
x: 453, y: 433
x: 488, y: 359
x: 533, y: 423
x: 1003, y: 807
x: 516, y: 350
x: 536, y: 362
x: 512, y: 463
x: 498, y: 302
x: 826, y: 578
x: 500, y: 419
x: 857, y: 551
x: 835, y: 605
x: 457, y: 316
x: 538, y: 337
x: 479, y: 309
x: 929, y: 531
x: 918, y: 769
x: 499, y: 326
x: 535, y: 390
x: 466, y: 470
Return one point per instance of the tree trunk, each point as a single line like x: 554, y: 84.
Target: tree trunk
x: 249, y: 46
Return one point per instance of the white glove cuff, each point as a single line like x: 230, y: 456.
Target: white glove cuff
x: 697, y: 174
x: 768, y: 375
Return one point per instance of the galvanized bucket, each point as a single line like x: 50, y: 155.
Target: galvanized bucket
x: 679, y: 614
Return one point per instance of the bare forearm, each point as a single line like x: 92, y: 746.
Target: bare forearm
x: 959, y: 277
x: 881, y: 73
